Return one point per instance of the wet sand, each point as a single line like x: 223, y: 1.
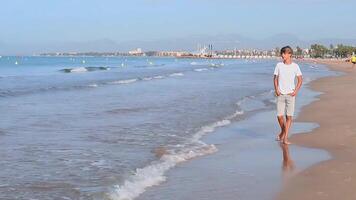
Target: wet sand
x: 248, y: 166
x: 335, y: 113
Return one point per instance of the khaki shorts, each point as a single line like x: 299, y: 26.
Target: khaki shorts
x: 285, y: 105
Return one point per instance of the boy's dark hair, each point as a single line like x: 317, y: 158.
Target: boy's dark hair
x: 286, y: 49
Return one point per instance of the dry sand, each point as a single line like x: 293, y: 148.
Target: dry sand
x: 335, y: 112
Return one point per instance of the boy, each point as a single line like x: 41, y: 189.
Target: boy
x: 286, y: 91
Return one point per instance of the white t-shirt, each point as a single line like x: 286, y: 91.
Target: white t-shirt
x: 286, y: 76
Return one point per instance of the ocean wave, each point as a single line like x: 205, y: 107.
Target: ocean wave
x: 153, y: 174
x: 207, y: 64
x: 177, y: 74
x: 201, y: 69
x: 158, y: 77
x: 313, y: 66
x: 125, y: 81
x: 147, y: 78
x: 93, y: 85
x: 259, y: 95
x: 4, y: 93
x: 200, y: 63
x: 126, y: 110
x: 8, y: 93
x: 84, y: 69
x: 217, y: 64
x: 150, y: 64
x: 196, y: 63
x: 210, y: 128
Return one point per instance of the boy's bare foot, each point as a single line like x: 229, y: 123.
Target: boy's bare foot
x: 286, y: 142
x: 280, y: 137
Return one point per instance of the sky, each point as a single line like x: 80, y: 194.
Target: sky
x: 41, y: 23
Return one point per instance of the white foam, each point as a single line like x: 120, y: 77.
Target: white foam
x: 242, y: 100
x: 127, y: 81
x: 99, y: 163
x: 153, y: 174
x: 158, y: 77
x: 93, y: 85
x: 209, y: 128
x: 237, y: 113
x: 216, y: 64
x: 177, y: 74
x: 79, y: 69
x: 147, y: 78
x: 201, y: 69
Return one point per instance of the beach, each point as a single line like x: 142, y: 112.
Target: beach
x: 335, y: 113
x: 177, y: 100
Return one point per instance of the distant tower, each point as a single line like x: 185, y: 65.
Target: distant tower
x: 211, y: 50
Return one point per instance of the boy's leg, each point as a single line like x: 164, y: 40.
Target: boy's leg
x: 281, y: 105
x: 286, y: 130
x: 282, y: 125
x: 290, y: 104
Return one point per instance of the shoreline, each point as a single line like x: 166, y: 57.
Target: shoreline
x: 238, y: 165
x: 334, y: 111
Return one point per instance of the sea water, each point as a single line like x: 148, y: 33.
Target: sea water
x: 110, y: 127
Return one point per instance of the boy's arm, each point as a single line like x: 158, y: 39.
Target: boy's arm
x: 275, y: 82
x: 299, y: 84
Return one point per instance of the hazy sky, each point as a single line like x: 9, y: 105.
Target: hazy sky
x: 56, y: 21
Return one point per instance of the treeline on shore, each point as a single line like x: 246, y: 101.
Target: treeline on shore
x: 338, y: 51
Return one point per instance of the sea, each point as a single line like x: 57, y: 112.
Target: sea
x: 111, y: 127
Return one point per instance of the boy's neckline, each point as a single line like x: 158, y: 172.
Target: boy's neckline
x: 288, y: 64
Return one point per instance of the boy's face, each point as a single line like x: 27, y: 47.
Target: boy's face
x: 287, y: 55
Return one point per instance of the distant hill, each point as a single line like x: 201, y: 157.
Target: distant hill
x: 234, y: 41
x: 189, y: 43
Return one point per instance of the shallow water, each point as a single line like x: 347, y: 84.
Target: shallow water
x: 249, y: 164
x: 95, y: 127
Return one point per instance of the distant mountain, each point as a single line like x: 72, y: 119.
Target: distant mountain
x: 280, y: 40
x: 188, y: 43
x: 230, y: 41
x: 334, y: 41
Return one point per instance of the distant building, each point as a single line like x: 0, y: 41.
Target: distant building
x: 306, y: 53
x: 136, y: 52
x: 172, y: 53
